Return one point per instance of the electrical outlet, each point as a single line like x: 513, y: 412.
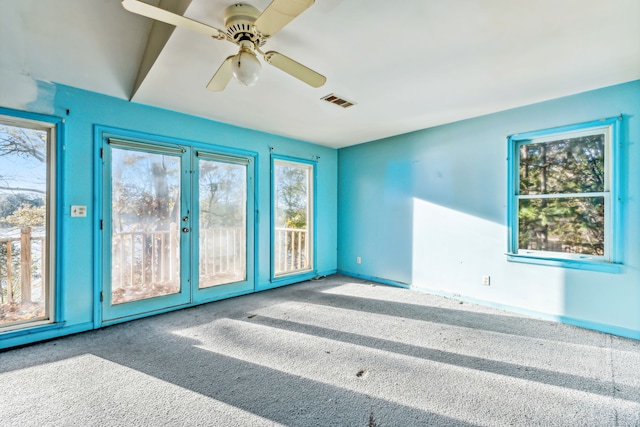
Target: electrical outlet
x: 486, y: 280
x: 358, y: 260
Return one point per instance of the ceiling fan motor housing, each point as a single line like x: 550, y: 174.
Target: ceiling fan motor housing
x: 238, y: 21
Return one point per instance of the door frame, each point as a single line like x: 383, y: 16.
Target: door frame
x: 134, y: 308
x: 235, y: 288
x: 55, y: 128
x: 101, y: 136
x: 299, y: 275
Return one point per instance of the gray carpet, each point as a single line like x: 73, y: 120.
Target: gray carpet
x: 337, y: 352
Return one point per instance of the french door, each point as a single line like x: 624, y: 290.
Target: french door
x: 176, y: 227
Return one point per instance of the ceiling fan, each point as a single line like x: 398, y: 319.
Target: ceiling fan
x: 249, y: 29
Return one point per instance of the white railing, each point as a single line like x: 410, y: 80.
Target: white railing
x: 291, y: 250
x: 21, y: 252
x: 149, y: 258
x: 222, y: 256
x: 142, y: 259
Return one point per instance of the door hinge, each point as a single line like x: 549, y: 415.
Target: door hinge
x: 101, y: 225
x: 102, y: 153
x: 101, y: 297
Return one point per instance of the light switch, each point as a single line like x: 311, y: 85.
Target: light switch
x: 78, y: 211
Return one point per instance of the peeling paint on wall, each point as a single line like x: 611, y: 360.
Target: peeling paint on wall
x: 26, y: 93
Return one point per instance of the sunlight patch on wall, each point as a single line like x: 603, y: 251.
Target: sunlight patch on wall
x: 453, y: 250
x: 445, y: 241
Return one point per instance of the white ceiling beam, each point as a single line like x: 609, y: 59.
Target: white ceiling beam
x: 158, y: 37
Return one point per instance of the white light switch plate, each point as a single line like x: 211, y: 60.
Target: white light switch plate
x: 78, y: 211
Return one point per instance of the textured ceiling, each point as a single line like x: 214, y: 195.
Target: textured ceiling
x: 408, y: 65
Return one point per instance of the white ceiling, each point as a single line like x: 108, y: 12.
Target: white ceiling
x: 408, y: 65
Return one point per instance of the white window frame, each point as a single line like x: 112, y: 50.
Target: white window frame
x: 51, y: 304
x: 311, y: 213
x: 610, y: 261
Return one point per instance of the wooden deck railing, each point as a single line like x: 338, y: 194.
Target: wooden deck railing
x: 291, y: 250
x: 31, y: 266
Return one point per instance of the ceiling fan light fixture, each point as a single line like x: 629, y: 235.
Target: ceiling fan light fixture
x: 248, y: 28
x: 246, y: 67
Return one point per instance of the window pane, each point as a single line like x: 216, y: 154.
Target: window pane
x: 573, y: 165
x: 292, y: 234
x: 223, y: 223
x: 145, y: 252
x: 23, y: 225
x: 569, y: 225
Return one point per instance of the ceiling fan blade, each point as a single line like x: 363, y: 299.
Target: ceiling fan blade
x: 221, y: 78
x: 278, y: 14
x: 144, y: 9
x: 295, y: 69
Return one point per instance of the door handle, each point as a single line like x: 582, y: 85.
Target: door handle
x: 185, y: 230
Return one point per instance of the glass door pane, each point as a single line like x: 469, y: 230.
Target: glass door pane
x: 26, y: 223
x: 147, y: 228
x: 145, y: 246
x: 178, y: 227
x: 293, y: 217
x: 222, y: 197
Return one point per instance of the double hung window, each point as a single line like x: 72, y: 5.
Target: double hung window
x: 563, y: 196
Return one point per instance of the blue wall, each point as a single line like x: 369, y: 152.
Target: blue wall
x: 428, y: 210
x: 425, y: 210
x: 79, y: 260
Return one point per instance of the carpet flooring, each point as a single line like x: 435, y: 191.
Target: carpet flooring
x: 336, y: 352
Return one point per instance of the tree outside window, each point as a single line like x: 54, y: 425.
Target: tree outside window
x: 293, y: 217
x: 23, y: 222
x: 562, y: 204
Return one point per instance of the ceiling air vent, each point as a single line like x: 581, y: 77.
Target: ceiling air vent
x: 338, y: 100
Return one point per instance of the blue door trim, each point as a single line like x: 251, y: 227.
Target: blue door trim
x: 101, y: 135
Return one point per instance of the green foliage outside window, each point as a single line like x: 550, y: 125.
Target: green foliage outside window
x: 563, y: 205
x: 292, y: 196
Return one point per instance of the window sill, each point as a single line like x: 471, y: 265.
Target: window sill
x: 599, y: 266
